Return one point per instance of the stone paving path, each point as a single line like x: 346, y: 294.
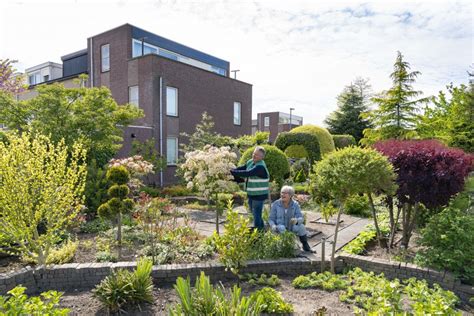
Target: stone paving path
x: 350, y: 227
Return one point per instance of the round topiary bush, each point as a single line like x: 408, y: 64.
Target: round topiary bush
x: 275, y: 159
x: 326, y: 143
x: 341, y: 141
x: 309, y: 142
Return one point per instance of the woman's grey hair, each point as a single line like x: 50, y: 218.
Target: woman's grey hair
x: 288, y: 189
x: 261, y: 149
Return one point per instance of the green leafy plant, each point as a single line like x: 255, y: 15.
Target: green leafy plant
x: 234, y: 245
x: 124, y: 287
x: 105, y: 256
x: 430, y: 301
x: 263, y: 279
x: 272, y: 301
x: 204, y: 299
x: 41, y: 192
x: 326, y: 281
x: 326, y: 144
x: 272, y: 246
x: 18, y: 303
x: 341, y: 141
x: 357, y: 205
x: 94, y: 226
x: 357, y: 246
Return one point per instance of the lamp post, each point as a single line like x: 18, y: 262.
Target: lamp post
x: 291, y: 110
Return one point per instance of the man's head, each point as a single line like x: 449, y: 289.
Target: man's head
x: 258, y: 154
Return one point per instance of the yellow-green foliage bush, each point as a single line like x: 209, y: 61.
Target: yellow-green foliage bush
x: 326, y: 143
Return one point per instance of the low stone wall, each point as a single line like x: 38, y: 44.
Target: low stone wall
x: 403, y: 270
x: 85, y: 276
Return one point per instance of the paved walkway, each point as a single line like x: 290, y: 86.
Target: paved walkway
x: 350, y: 227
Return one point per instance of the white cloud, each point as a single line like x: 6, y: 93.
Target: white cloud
x: 295, y: 53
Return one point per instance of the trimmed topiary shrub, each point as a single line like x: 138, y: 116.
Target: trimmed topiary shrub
x: 326, y: 143
x: 310, y: 143
x: 341, y: 141
x: 276, y: 161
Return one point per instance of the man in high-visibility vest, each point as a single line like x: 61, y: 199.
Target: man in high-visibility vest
x: 257, y: 183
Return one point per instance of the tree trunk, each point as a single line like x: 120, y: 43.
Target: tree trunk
x: 333, y: 252
x: 376, y: 223
x: 410, y: 222
x: 394, y: 228
x: 119, y: 235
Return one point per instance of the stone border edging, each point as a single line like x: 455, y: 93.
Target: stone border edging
x: 404, y: 270
x: 85, y: 276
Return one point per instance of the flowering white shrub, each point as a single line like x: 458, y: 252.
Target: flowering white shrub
x: 137, y: 167
x: 208, y: 170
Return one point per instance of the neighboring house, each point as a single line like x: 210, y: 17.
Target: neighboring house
x: 172, y: 83
x: 275, y: 123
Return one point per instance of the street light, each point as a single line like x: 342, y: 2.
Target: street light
x: 291, y: 125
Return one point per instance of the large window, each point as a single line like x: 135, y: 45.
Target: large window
x: 171, y: 101
x: 34, y: 78
x: 266, y: 121
x: 105, y: 57
x: 171, y: 150
x: 237, y: 113
x: 133, y: 95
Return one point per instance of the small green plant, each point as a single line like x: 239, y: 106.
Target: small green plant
x: 105, y: 256
x: 357, y: 205
x: 126, y: 288
x: 96, y: 225
x: 64, y: 254
x: 358, y: 245
x: 234, y: 245
x: 430, y: 301
x: 263, y: 279
x: 272, y: 301
x: 18, y: 303
x: 273, y: 246
x: 326, y: 281
x: 204, y: 299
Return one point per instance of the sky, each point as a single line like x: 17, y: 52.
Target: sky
x: 297, y: 54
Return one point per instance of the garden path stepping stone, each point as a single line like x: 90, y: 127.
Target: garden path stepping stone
x: 331, y: 221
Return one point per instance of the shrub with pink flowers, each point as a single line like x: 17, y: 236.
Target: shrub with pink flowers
x: 137, y: 167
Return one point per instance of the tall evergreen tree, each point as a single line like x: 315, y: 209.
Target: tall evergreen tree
x: 396, y: 116
x: 352, y: 101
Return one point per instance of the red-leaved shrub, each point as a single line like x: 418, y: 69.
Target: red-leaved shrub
x: 428, y: 172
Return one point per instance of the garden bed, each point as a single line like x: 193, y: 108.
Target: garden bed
x: 305, y: 302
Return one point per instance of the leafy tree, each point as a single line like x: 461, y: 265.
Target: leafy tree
x: 351, y: 171
x: 204, y: 135
x: 118, y: 204
x: 245, y: 142
x: 451, y: 119
x: 352, y: 101
x: 87, y: 114
x: 428, y: 175
x: 396, y: 116
x: 41, y: 192
x: 341, y: 141
x: 10, y: 83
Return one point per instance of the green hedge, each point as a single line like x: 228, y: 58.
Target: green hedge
x: 309, y: 141
x: 275, y: 159
x: 341, y: 141
x: 326, y: 143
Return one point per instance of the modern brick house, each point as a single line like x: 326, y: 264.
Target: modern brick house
x: 172, y: 83
x: 275, y: 123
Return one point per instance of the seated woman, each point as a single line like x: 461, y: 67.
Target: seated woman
x: 286, y: 215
